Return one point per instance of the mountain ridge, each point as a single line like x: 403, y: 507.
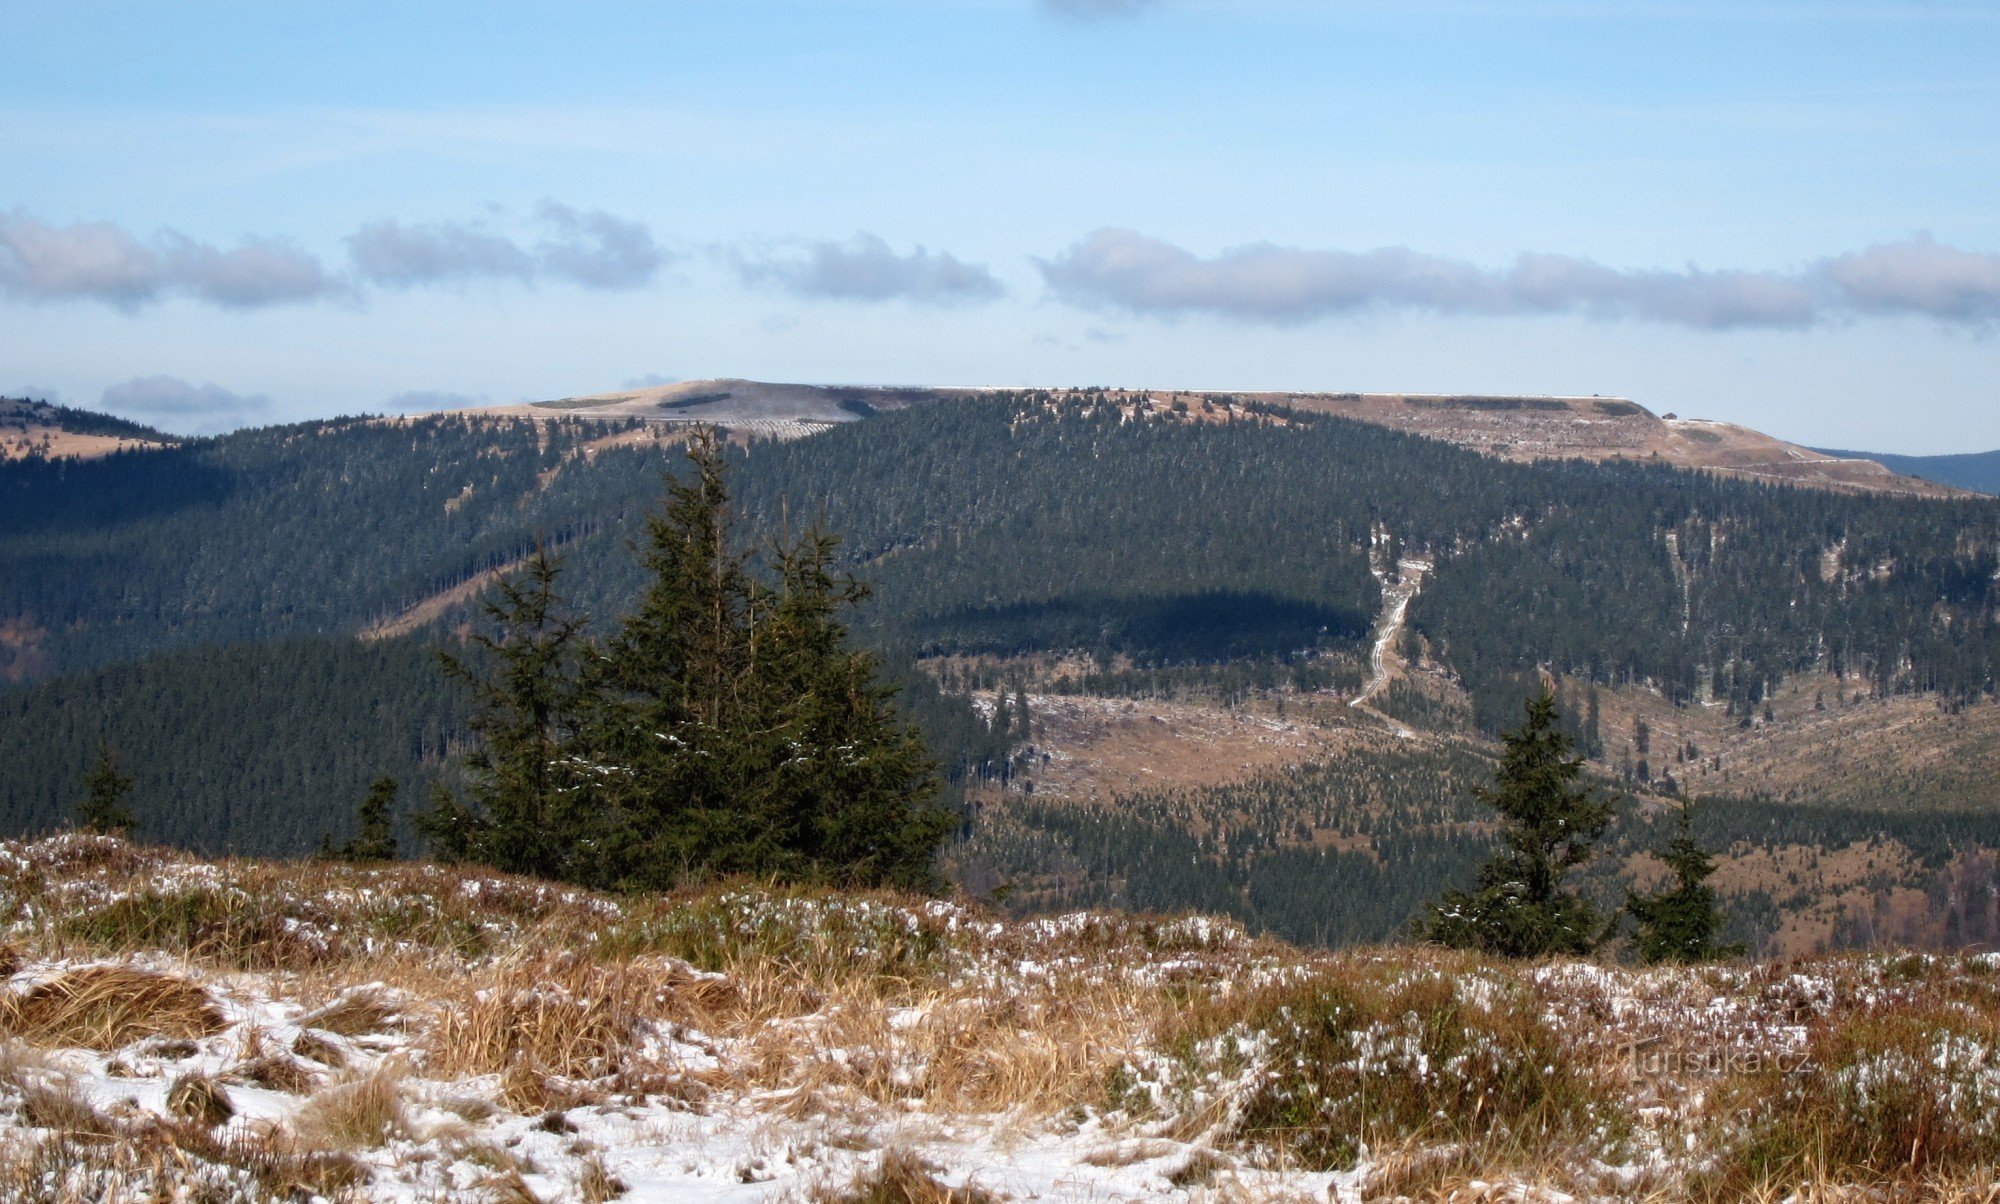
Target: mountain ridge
x: 1518, y: 427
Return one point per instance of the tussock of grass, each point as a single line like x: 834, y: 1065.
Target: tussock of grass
x: 358, y: 1114
x: 1351, y: 1059
x: 356, y: 1013
x: 595, y: 1183
x: 108, y: 1007
x: 59, y: 1107
x: 554, y: 1016
x: 903, y: 1178
x: 1884, y: 1099
x: 200, y: 1099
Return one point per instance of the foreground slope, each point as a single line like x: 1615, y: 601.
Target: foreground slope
x: 261, y: 1031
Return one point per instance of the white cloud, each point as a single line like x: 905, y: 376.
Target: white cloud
x: 1264, y: 283
x: 592, y: 248
x: 596, y: 249
x: 1919, y: 276
x: 865, y: 268
x: 99, y: 261
x: 394, y: 255
x: 178, y: 405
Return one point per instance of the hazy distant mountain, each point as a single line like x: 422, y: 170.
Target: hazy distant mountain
x: 1978, y: 471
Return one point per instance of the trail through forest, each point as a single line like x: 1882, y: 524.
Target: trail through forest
x: 1382, y: 660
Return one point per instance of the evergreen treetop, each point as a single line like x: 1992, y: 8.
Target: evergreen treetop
x: 376, y: 819
x: 724, y: 727
x: 1682, y: 922
x: 1550, y: 824
x: 103, y: 809
x: 523, y: 816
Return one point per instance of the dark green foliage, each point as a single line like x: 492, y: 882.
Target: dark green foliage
x: 1551, y: 821
x: 526, y: 813
x: 142, y: 552
x: 105, y: 788
x: 1682, y: 922
x: 1021, y: 523
x: 255, y: 750
x: 376, y: 840
x: 261, y: 749
x: 724, y: 728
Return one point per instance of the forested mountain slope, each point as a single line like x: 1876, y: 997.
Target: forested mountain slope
x: 1019, y: 523
x: 195, y: 606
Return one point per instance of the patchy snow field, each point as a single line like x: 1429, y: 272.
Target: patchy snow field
x: 184, y: 1030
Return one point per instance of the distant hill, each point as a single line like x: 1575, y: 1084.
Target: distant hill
x: 1977, y: 471
x: 30, y: 428
x: 1520, y: 428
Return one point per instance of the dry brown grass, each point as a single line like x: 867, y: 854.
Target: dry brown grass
x: 147, y: 1161
x: 361, y: 1113
x: 107, y: 1008
x: 356, y: 1013
x: 558, y: 1015
x: 852, y: 1011
x: 198, y: 1098
x: 901, y: 1177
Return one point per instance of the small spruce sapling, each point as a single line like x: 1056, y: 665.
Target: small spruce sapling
x: 1681, y: 922
x: 1550, y: 824
x: 376, y: 840
x: 103, y: 809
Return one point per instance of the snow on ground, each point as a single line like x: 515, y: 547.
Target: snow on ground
x: 258, y: 1031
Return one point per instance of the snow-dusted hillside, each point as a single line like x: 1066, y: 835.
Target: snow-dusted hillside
x: 176, y: 1029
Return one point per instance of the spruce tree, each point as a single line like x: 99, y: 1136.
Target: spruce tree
x: 673, y: 745
x: 376, y: 840
x: 1550, y: 824
x: 734, y: 732
x: 854, y: 785
x: 1681, y: 922
x: 525, y: 814
x: 103, y: 809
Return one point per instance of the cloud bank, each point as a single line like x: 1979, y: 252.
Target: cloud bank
x: 177, y: 405
x: 1265, y: 283
x: 865, y: 268
x: 592, y: 248
x: 98, y: 261
x: 101, y: 261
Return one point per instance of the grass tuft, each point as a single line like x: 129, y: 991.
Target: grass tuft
x: 108, y: 1007
x: 359, y: 1114
x: 903, y: 1178
x: 200, y: 1099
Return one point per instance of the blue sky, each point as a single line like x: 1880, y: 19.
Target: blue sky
x: 1776, y: 213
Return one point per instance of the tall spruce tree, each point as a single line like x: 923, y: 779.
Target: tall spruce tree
x: 1550, y: 824
x: 734, y: 732
x: 724, y: 727
x: 1682, y: 922
x: 856, y: 789
x: 525, y: 813
x: 103, y: 809
x: 674, y: 743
